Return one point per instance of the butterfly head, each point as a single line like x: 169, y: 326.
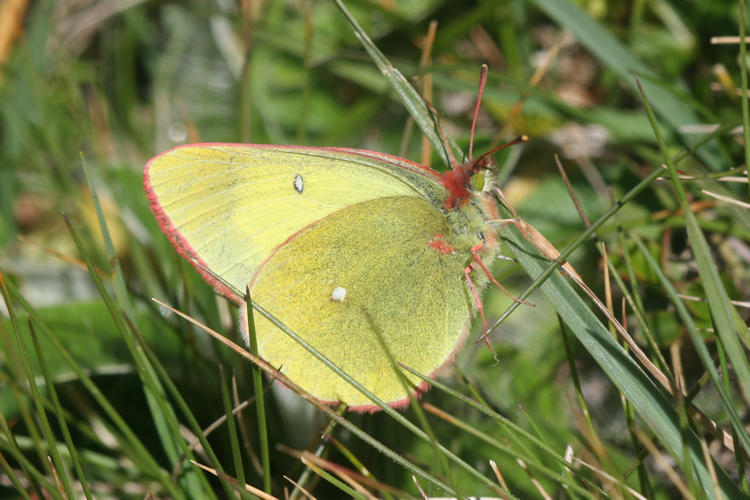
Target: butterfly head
x: 458, y: 180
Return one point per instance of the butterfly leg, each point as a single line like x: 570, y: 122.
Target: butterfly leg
x: 480, y: 306
x: 474, y: 250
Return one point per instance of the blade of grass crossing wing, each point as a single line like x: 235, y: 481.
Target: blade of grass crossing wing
x: 380, y: 403
x: 334, y: 415
x: 354, y: 383
x: 408, y: 388
x: 647, y: 399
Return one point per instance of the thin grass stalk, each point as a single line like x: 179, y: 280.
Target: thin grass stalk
x: 301, y: 483
x: 40, y: 483
x: 515, y: 432
x: 333, y: 480
x: 695, y: 337
x: 162, y: 413
x: 11, y: 475
x: 234, y: 443
x: 341, y: 373
x: 260, y: 406
x: 60, y: 414
x: 743, y: 86
x: 18, y: 386
x: 409, y: 97
x: 650, y: 402
x: 357, y: 463
x: 185, y: 409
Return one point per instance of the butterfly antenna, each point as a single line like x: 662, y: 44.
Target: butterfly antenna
x: 517, y: 140
x: 482, y: 82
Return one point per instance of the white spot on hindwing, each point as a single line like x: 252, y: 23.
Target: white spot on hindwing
x: 338, y: 294
x: 298, y: 183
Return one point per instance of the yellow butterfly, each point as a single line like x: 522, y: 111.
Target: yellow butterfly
x: 340, y: 245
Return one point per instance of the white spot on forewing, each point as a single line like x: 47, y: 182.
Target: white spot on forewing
x: 298, y: 183
x: 338, y: 294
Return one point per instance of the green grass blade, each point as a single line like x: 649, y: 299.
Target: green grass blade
x: 356, y: 384
x: 335, y: 481
x: 408, y: 387
x: 126, y: 437
x: 38, y: 480
x: 11, y: 474
x: 195, y: 428
x: 322, y: 446
x: 121, y: 290
x: 743, y: 86
x: 163, y: 415
x: 591, y: 230
x: 511, y: 430
x: 260, y: 406
x: 234, y: 441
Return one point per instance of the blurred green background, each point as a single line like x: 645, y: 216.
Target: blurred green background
x: 110, y: 84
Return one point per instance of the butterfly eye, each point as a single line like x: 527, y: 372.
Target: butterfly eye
x: 298, y: 183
